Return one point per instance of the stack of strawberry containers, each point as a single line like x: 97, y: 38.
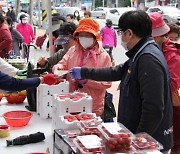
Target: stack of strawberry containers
x: 71, y: 108
x: 90, y: 127
x: 45, y: 97
x: 116, y: 137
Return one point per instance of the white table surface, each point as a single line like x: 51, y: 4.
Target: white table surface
x: 36, y: 124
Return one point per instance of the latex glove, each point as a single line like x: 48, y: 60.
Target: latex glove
x: 50, y: 79
x: 75, y: 72
x: 21, y: 72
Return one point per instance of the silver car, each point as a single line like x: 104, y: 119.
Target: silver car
x: 171, y: 14
x: 100, y: 12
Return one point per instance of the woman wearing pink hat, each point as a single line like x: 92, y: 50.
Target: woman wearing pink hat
x: 171, y: 53
x: 88, y: 51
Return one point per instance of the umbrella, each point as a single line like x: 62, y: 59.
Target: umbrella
x: 3, y: 4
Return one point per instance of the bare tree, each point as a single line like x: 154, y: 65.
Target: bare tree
x: 17, y: 6
x: 30, y: 10
x: 120, y: 3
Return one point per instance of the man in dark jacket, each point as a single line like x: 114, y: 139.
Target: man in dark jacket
x: 145, y: 103
x: 172, y: 55
x: 11, y: 13
x: 10, y: 83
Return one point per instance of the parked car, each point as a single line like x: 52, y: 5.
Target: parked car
x: 100, y: 12
x: 171, y: 14
x: 64, y: 11
x: 173, y: 4
x: 115, y: 13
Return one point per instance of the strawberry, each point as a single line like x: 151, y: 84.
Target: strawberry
x: 111, y: 146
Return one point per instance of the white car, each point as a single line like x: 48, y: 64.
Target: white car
x: 171, y: 14
x: 115, y: 13
x: 64, y: 11
x: 99, y: 12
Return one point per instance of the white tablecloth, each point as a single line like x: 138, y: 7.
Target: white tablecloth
x: 36, y: 124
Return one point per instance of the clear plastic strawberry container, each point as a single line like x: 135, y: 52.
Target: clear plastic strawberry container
x: 90, y: 127
x: 143, y: 141
x: 79, y: 117
x: 116, y: 137
x: 89, y: 144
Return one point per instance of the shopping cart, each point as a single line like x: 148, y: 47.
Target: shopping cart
x: 25, y: 50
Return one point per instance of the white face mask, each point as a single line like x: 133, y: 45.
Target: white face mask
x: 86, y: 42
x: 76, y: 14
x: 124, y: 44
x: 24, y: 21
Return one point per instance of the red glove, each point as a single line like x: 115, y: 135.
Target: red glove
x: 50, y: 79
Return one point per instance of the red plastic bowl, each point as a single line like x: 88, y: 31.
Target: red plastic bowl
x: 15, y: 99
x: 1, y: 96
x: 17, y: 118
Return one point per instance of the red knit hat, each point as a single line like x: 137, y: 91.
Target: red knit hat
x: 159, y: 27
x: 88, y: 25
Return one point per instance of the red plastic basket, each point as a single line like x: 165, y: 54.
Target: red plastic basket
x: 15, y: 99
x: 17, y: 118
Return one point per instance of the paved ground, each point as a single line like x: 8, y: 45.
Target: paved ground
x: 36, y: 53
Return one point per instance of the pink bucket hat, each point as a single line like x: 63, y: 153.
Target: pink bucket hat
x: 159, y: 27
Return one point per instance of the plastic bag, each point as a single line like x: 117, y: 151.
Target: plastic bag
x: 109, y: 109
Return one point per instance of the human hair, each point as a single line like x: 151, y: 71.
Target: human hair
x: 87, y: 13
x: 75, y: 12
x: 1, y: 18
x: 22, y: 16
x: 77, y: 17
x: 71, y: 16
x: 174, y: 28
x: 67, y: 28
x: 24, y: 11
x: 9, y: 21
x: 108, y: 22
x: 57, y: 17
x: 138, y: 21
